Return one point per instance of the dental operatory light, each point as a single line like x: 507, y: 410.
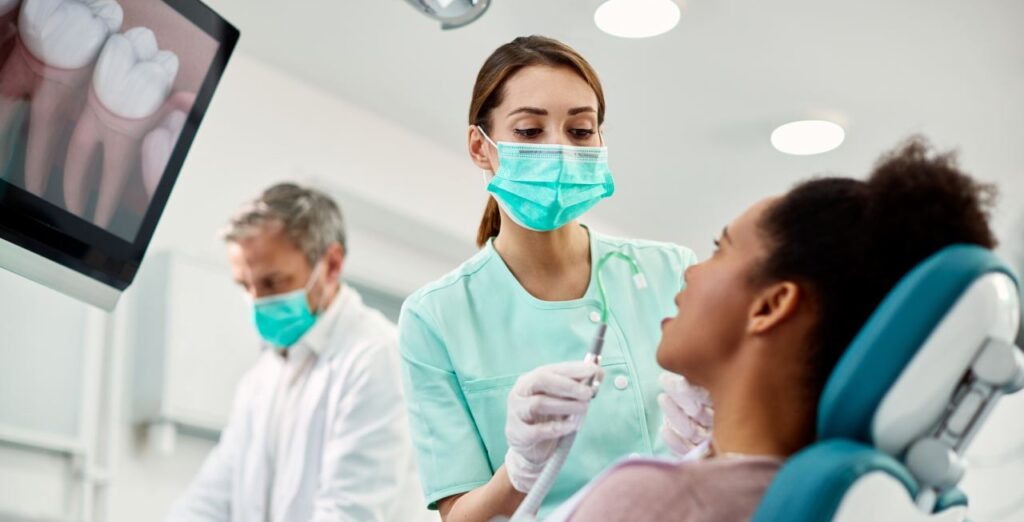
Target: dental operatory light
x: 806, y: 137
x: 637, y: 18
x: 452, y: 13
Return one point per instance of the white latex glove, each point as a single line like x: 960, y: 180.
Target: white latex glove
x: 544, y: 405
x: 688, y: 414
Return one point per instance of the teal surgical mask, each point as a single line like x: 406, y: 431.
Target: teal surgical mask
x: 284, y: 318
x: 543, y: 187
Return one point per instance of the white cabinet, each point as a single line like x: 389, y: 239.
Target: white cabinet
x: 191, y: 340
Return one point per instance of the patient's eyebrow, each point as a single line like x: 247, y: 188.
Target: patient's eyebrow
x: 725, y: 235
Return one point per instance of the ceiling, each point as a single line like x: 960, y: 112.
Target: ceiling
x: 690, y: 111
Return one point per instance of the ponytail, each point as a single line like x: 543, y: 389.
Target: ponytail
x: 490, y: 224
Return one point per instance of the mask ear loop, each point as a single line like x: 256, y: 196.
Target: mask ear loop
x: 487, y: 174
x: 486, y: 137
x: 309, y: 285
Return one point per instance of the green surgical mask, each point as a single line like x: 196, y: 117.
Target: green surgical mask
x: 283, y: 319
x: 543, y: 187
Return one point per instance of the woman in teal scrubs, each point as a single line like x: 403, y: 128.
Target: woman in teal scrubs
x: 492, y: 352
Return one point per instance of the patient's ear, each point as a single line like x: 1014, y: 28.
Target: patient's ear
x: 773, y: 306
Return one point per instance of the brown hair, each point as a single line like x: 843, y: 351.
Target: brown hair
x: 501, y: 65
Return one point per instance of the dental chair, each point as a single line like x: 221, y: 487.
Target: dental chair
x: 906, y: 398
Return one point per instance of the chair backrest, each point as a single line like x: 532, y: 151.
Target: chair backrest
x: 908, y: 395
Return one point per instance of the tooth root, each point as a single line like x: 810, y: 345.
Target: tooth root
x: 83, y: 145
x: 50, y: 109
x: 118, y: 163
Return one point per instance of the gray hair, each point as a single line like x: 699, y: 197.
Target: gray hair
x: 310, y: 219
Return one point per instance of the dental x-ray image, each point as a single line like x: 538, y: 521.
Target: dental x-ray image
x: 93, y: 97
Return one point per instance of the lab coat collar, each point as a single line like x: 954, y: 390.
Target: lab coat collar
x: 318, y: 336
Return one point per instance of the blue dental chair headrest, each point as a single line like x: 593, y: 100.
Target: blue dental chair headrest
x: 897, y: 331
x: 907, y: 396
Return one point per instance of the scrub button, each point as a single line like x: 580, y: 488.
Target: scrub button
x: 595, y: 317
x: 621, y: 382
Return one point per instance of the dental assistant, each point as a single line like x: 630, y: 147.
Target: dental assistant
x: 317, y: 431
x: 492, y: 352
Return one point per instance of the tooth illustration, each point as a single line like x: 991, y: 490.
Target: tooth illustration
x: 55, y: 98
x: 133, y: 77
x: 128, y: 100
x: 68, y: 34
x: 157, y: 147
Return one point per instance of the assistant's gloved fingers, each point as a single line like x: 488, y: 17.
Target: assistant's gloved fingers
x: 536, y: 408
x: 553, y: 385
x: 550, y: 430
x: 544, y: 405
x: 693, y: 400
x: 521, y: 472
x: 578, y: 370
x: 675, y: 442
x: 681, y: 390
x: 705, y: 417
x: 531, y: 446
x: 680, y: 422
x: 563, y: 380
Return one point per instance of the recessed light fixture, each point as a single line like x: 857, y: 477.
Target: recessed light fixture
x: 806, y: 137
x: 637, y: 18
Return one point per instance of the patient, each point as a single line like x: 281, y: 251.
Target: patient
x: 763, y: 322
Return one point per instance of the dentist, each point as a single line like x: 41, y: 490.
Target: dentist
x: 492, y: 351
x: 318, y: 431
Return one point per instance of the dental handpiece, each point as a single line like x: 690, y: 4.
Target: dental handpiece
x: 594, y: 356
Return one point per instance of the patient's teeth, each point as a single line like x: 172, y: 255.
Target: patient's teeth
x: 133, y: 77
x: 68, y: 33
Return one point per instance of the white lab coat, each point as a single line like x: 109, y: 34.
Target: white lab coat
x: 351, y: 459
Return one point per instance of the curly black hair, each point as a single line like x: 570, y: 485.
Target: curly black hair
x: 848, y: 242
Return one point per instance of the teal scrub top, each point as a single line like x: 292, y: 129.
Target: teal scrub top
x: 467, y: 337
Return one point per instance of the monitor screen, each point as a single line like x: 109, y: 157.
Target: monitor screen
x: 99, y: 103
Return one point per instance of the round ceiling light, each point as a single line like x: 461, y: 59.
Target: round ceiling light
x: 806, y: 137
x: 637, y: 18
